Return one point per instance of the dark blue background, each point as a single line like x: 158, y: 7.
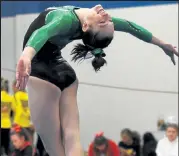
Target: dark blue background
x: 12, y: 8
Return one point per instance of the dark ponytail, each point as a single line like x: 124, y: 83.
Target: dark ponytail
x: 98, y: 62
x: 80, y: 51
x: 94, y: 45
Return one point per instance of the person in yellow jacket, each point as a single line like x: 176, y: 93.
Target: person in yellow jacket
x: 6, y: 108
x: 22, y: 111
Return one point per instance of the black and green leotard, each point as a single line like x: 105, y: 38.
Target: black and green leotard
x: 52, y: 30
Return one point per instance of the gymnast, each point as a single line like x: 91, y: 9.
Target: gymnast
x: 52, y: 83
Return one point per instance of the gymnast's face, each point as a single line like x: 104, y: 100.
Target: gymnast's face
x: 99, y: 21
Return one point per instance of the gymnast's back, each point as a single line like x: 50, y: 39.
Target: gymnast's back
x: 63, y: 27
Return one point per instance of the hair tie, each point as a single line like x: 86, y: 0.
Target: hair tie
x: 98, y: 51
x: 99, y: 134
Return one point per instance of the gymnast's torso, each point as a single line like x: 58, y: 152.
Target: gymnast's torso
x: 48, y: 64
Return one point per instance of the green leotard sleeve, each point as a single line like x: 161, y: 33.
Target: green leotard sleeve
x: 132, y: 28
x: 57, y: 22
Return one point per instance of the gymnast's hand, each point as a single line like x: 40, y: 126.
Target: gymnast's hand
x: 23, y: 70
x: 170, y: 51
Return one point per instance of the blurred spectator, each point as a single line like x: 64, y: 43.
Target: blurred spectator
x: 130, y: 144
x: 149, y: 145
x: 22, y: 111
x: 101, y: 146
x: 6, y: 108
x: 21, y: 143
x: 168, y: 146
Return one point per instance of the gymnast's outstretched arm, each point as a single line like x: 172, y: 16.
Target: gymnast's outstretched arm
x: 143, y: 34
x: 132, y: 28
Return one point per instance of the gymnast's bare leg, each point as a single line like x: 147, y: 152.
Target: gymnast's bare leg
x: 44, y: 106
x: 69, y: 117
